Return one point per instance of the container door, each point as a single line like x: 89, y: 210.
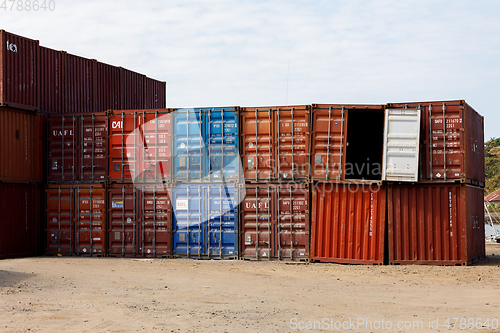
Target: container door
x: 90, y: 225
x: 189, y: 220
x: 189, y: 149
x: 401, y: 145
x: 222, y: 144
x: 63, y: 149
x: 94, y: 148
x: 222, y: 230
x: 123, y: 146
x: 60, y: 216
x: 122, y: 220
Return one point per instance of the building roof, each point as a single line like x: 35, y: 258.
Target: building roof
x: 494, y: 196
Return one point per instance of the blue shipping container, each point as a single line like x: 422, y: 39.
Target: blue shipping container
x: 205, y: 221
x: 221, y: 141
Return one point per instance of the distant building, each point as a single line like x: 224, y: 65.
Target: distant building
x: 493, y: 198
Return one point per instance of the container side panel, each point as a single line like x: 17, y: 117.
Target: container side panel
x: 474, y: 152
x: 106, y: 87
x: 155, y: 95
x: 131, y: 90
x: 90, y: 220
x: 475, y: 215
x: 78, y: 84
x: 50, y: 85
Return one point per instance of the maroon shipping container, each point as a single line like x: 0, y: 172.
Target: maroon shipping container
x: 436, y: 224
x: 106, y: 87
x: 21, y: 142
x: 20, y: 227
x: 50, y: 82
x: 90, y: 220
x: 347, y: 142
x: 348, y: 223
x: 156, y: 222
x: 140, y: 146
x: 78, y: 84
x: 62, y: 151
x: 93, y: 147
x: 452, y: 137
x: 60, y: 212
x: 155, y: 94
x: 131, y: 90
x: 18, y: 71
x: 274, y: 222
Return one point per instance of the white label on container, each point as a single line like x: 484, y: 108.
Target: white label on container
x: 250, y: 145
x: 97, y: 239
x: 183, y: 145
x: 84, y: 250
x: 181, y: 204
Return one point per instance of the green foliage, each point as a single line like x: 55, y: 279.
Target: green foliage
x: 492, y: 164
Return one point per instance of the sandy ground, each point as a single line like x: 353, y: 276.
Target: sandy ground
x: 127, y: 295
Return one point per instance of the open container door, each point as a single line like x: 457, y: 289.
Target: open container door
x: 401, y: 145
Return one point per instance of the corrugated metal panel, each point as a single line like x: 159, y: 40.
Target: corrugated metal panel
x: 205, y: 221
x: 155, y: 94
x: 188, y: 145
x: 221, y: 141
x: 131, y: 90
x: 62, y: 143
x: 78, y: 84
x: 156, y: 222
x: 292, y: 142
x: 60, y: 209
x: 439, y: 224
x: 106, y: 87
x: 20, y: 220
x: 93, y: 148
x: 90, y: 220
x: 19, y: 143
x: 348, y: 223
x: 256, y: 146
x: 123, y: 217
x: 50, y: 84
x: 40, y: 147
x: 18, y: 71
x: 274, y: 222
x: 402, y: 145
x: 123, y: 145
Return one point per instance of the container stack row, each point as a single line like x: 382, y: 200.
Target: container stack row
x: 36, y: 83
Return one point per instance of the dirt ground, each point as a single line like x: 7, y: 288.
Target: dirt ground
x: 127, y: 295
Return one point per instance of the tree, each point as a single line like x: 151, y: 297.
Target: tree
x: 492, y: 164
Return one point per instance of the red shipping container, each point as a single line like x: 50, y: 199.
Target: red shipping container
x: 20, y: 227
x: 123, y: 146
x: 274, y: 222
x: 123, y: 218
x: 155, y: 94
x: 60, y: 212
x: 131, y: 90
x: 436, y: 224
x: 90, y: 220
x: 93, y: 147
x: 21, y: 142
x: 156, y: 222
x: 18, y: 71
x: 348, y: 223
x: 452, y: 136
x: 78, y: 84
x: 50, y: 82
x: 62, y: 154
x: 106, y: 87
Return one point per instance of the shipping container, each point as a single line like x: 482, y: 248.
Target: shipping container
x: 105, y: 87
x: 452, y: 142
x: 20, y: 145
x: 18, y: 71
x: 205, y: 223
x: 189, y: 155
x: 221, y: 142
x: 274, y: 222
x: 93, y: 147
x: 122, y: 145
x: 123, y: 221
x: 62, y: 149
x: 60, y: 213
x: 435, y: 224
x: 90, y: 220
x: 51, y: 78
x: 155, y: 94
x: 348, y: 223
x: 132, y: 90
x: 156, y: 222
x: 78, y: 84
x: 20, y: 228
x: 257, y: 144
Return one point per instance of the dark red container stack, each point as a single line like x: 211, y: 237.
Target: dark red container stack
x: 54, y: 96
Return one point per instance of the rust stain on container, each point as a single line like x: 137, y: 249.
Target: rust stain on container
x: 452, y: 142
x: 106, y: 87
x: 131, y: 90
x: 60, y: 210
x: 78, y: 84
x: 18, y: 71
x: 50, y: 84
x: 436, y: 224
x: 20, y: 227
x: 90, y: 220
x: 274, y: 222
x: 123, y: 217
x: 20, y: 145
x: 348, y: 223
x: 155, y: 94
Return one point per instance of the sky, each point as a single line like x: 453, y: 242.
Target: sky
x: 261, y: 53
